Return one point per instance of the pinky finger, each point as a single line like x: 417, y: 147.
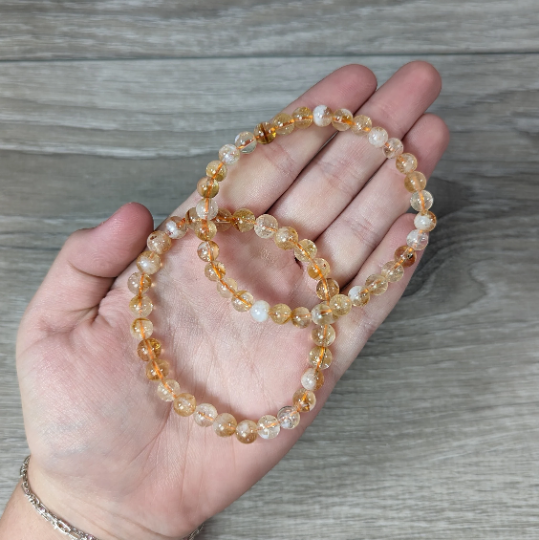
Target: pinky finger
x: 357, y: 327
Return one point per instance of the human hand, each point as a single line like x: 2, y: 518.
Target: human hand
x: 108, y: 455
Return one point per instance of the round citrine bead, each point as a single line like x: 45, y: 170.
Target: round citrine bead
x: 284, y: 123
x: 304, y: 400
x: 265, y: 133
x: 217, y: 170
x: 247, y: 431
x: 280, y: 313
x: 224, y: 425
x: 303, y: 117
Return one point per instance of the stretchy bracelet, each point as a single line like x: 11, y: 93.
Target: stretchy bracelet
x: 58, y: 523
x: 206, y: 219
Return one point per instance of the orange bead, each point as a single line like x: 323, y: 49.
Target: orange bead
x: 208, y: 187
x: 265, y: 133
x: 149, y: 349
x: 415, y: 181
x: 405, y: 255
x: 318, y: 268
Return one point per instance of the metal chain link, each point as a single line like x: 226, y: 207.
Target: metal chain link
x: 58, y: 523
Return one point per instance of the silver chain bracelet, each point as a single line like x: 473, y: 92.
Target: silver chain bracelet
x: 58, y: 523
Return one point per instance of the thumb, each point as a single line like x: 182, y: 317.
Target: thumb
x: 85, y: 268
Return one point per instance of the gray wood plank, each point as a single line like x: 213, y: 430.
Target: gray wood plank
x: 433, y: 432
x: 135, y: 28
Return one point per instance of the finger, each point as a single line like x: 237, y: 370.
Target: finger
x: 258, y: 179
x: 341, y: 169
x: 362, y: 225
x: 85, y: 267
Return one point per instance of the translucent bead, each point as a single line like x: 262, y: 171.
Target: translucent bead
x: 376, y: 284
x: 243, y: 301
x: 406, y: 163
x: 393, y: 148
x: 307, y: 251
x: 207, y: 208
x: 245, y: 142
x: 208, y: 251
x: 322, y: 314
x: 405, y: 255
x: 223, y: 220
x: 157, y: 369
x: 205, y: 230
x: 247, y: 431
x: 227, y: 287
x: 159, y: 242
x: 417, y: 239
x: 149, y: 349
x: 260, y: 311
x: 322, y: 115
x: 208, y: 187
x: 320, y: 357
x: 342, y: 119
x: 421, y: 200
x: 361, y: 124
x: 176, y: 227
x: 224, y: 425
x: 301, y: 317
x: 167, y: 394
x: 141, y: 306
x: 303, y: 117
x: 392, y: 271
x: 378, y: 136
x: 205, y: 414
x: 286, y: 237
x: 326, y: 288
x: 323, y: 336
x: 244, y: 219
x: 359, y: 296
x: 415, y: 181
x: 139, y: 283
x: 185, y: 404
x: 280, y: 313
x: 141, y: 328
x: 266, y: 226
x: 229, y: 154
x: 304, y: 400
x: 149, y: 262
x: 340, y: 305
x: 217, y: 170
x: 265, y: 133
x: 192, y: 217
x: 318, y: 268
x: 284, y: 123
x: 312, y: 379
x: 288, y: 417
x: 215, y: 270
x: 426, y: 221
x: 268, y: 427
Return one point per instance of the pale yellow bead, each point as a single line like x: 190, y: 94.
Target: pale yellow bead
x: 245, y: 142
x: 320, y: 357
x: 149, y: 262
x: 205, y: 230
x: 393, y: 148
x: 301, y: 317
x: 361, y: 124
x: 185, y: 404
x: 318, y: 268
x: 406, y: 163
x: 359, y: 296
x: 224, y: 425
x: 286, y: 237
x: 288, y: 417
x: 304, y: 400
x: 327, y: 288
x: 141, y: 306
x: 205, y: 414
x: 168, y: 389
x: 208, y: 187
x: 208, y: 251
x: 323, y: 335
x: 149, y: 349
x: 215, y: 270
x: 312, y: 379
x: 159, y: 242
x: 340, y: 305
x: 223, y: 220
x: 227, y: 287
x: 216, y: 169
x: 243, y: 301
x: 268, y: 427
x: 280, y: 313
x: 376, y: 284
x: 156, y: 369
x: 415, y: 181
x: 192, y: 217
x: 342, y: 119
x: 306, y: 252
x: 139, y: 283
x: 266, y: 226
x: 322, y: 314
x: 303, y: 117
x: 284, y: 123
x: 141, y: 328
x: 244, y: 220
x: 247, y: 431
x: 392, y: 271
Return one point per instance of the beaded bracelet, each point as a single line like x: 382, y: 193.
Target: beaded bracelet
x: 206, y: 219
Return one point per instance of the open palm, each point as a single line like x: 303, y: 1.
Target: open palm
x: 112, y: 458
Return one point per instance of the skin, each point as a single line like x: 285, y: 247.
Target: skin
x: 107, y: 454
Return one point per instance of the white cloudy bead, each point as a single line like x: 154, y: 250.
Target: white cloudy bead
x: 268, y: 427
x: 417, y: 239
x: 378, y: 136
x: 207, y: 209
x: 423, y: 222
x: 260, y: 311
x: 322, y: 115
x: 229, y: 154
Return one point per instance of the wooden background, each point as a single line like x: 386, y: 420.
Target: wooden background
x: 431, y: 434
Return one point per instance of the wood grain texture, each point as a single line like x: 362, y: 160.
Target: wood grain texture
x: 35, y: 29
x: 433, y: 432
